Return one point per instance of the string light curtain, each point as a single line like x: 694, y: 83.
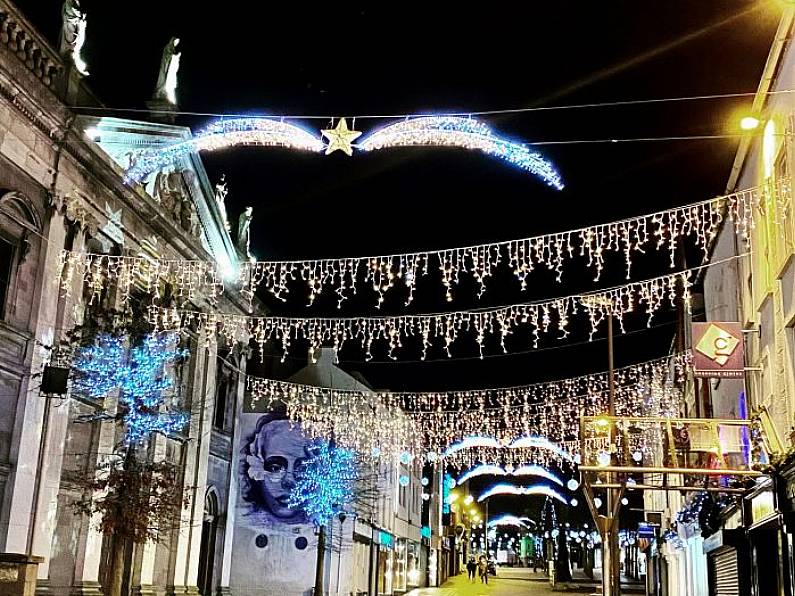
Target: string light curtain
x: 441, y: 329
x: 697, y: 224
x: 426, y: 424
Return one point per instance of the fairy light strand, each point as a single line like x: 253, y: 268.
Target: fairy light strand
x: 696, y: 224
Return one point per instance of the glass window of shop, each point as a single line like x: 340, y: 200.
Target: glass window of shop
x: 413, y: 565
x: 384, y: 570
x: 399, y: 581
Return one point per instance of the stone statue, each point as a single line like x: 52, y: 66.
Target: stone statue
x: 73, y: 34
x: 221, y: 191
x: 166, y: 88
x: 170, y: 190
x: 244, y: 232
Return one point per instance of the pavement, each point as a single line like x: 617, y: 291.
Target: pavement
x: 512, y: 582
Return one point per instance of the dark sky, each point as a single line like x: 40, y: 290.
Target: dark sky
x: 391, y: 58
x: 356, y: 59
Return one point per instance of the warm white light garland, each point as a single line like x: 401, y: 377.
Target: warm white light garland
x: 696, y: 224
x: 441, y: 329
x: 514, y: 426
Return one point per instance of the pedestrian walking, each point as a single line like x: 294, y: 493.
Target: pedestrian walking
x: 483, y: 568
x: 471, y: 567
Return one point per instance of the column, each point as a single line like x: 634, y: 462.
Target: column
x: 57, y: 428
x: 149, y: 556
x: 20, y: 492
x: 231, y: 503
x: 186, y: 570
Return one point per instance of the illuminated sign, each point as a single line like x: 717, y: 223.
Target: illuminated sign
x: 425, y: 532
x: 718, y: 350
x: 385, y: 539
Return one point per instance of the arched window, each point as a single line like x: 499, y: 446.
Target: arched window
x: 207, y: 550
x: 20, y: 229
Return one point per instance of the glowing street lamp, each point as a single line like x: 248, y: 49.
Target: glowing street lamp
x: 749, y: 123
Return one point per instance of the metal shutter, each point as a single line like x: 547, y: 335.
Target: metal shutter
x: 724, y: 580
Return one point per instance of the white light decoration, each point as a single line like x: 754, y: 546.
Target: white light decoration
x: 222, y: 134
x: 442, y: 329
x: 637, y: 456
x: 572, y: 484
x: 603, y: 459
x: 482, y: 470
x: 450, y: 423
x: 536, y: 470
x: 574, y: 502
x: 693, y: 225
x: 507, y: 520
x: 597, y: 502
x: 624, y: 501
x: 466, y: 133
x: 510, y: 489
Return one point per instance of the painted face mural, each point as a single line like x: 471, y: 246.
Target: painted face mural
x: 272, y: 459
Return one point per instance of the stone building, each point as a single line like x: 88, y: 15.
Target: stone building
x: 61, y: 187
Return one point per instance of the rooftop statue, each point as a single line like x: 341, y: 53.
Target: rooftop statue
x: 166, y: 88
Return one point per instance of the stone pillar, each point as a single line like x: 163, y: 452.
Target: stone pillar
x: 149, y: 556
x: 57, y: 428
x: 20, y: 491
x: 18, y: 574
x: 202, y: 374
x: 89, y: 551
x: 231, y: 504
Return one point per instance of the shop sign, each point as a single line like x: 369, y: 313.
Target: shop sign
x: 425, y: 532
x: 718, y: 350
x: 386, y: 539
x: 762, y: 506
x: 647, y: 530
x: 714, y: 542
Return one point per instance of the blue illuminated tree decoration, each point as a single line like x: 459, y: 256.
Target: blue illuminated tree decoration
x: 327, y: 484
x: 139, y: 374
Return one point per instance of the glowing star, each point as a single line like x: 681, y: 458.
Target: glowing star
x: 340, y: 138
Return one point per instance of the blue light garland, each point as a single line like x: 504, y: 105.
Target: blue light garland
x: 327, y: 484
x: 140, y: 376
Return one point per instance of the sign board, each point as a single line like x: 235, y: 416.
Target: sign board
x: 647, y: 530
x: 718, y: 350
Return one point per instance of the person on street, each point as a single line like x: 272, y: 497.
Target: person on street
x: 483, y: 568
x: 471, y: 566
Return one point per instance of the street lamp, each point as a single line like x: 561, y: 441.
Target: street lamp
x: 749, y: 123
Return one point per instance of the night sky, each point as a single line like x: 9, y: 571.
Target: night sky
x: 401, y: 58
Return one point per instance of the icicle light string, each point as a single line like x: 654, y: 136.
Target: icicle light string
x: 442, y: 329
x: 698, y: 223
x: 392, y: 424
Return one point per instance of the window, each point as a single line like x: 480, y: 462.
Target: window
x: 6, y: 262
x: 221, y: 392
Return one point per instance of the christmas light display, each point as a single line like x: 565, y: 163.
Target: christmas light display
x: 517, y: 426
x: 492, y: 470
x: 441, y: 329
x: 466, y: 133
x: 507, y: 520
x: 481, y: 470
x: 141, y: 376
x: 262, y: 132
x: 326, y: 485
x: 510, y: 489
x: 693, y: 225
x: 537, y: 471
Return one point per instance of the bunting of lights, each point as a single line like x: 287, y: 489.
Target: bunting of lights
x: 695, y: 225
x: 516, y: 427
x: 492, y: 470
x: 261, y: 132
x: 465, y: 133
x: 441, y: 329
x: 510, y: 489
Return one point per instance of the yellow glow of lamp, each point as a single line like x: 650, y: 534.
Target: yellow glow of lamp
x: 469, y: 499
x: 602, y: 421
x: 749, y: 123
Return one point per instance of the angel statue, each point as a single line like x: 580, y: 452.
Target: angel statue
x: 166, y: 88
x: 73, y: 34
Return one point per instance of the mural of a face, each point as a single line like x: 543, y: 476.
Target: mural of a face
x: 276, y: 459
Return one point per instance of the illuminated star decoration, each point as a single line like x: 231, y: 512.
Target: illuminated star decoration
x: 340, y: 138
x: 327, y: 483
x: 140, y: 374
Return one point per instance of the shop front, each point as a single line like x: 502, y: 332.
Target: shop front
x: 767, y: 542
x: 385, y: 562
